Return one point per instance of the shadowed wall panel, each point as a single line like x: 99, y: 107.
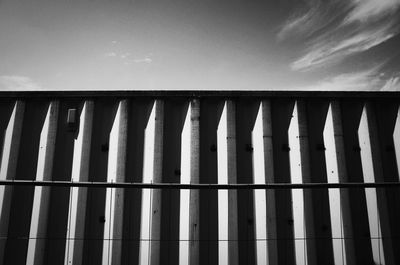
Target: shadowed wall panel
x: 385, y: 115
x: 103, y: 118
x: 281, y: 113
x: 210, y: 113
x: 351, y: 114
x: 174, y: 118
x: 139, y: 112
x: 316, y: 116
x: 246, y: 113
x: 62, y: 170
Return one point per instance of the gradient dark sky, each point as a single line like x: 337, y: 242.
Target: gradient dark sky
x: 219, y: 44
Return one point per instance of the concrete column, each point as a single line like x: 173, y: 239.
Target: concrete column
x: 112, y: 244
x: 341, y: 223
x: 301, y: 173
x: 281, y: 113
x: 372, y: 166
x: 351, y: 113
x: 194, y: 201
x: 155, y: 213
x: 12, y: 138
x: 41, y: 200
x: 272, y: 244
x: 78, y: 197
x: 22, y: 197
x: 233, y: 244
x: 6, y: 109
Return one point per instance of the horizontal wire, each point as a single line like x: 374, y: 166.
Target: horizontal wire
x: 196, y: 240
x: 271, y: 186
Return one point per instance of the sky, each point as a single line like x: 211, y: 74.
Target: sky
x: 209, y: 44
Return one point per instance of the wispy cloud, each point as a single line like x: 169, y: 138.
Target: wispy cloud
x: 16, y: 82
x: 369, y: 79
x: 365, y: 10
x: 393, y: 84
x: 144, y: 60
x: 340, y: 29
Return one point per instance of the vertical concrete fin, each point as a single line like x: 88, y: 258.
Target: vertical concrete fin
x: 341, y: 223
x: 148, y: 175
x: 233, y: 249
x: 156, y: 196
x: 39, y: 220
x: 272, y: 246
x: 300, y: 173
x: 12, y: 138
x: 380, y: 230
x: 112, y: 243
x: 78, y: 196
x: 185, y: 195
x: 194, y: 200
x: 223, y: 211
x: 260, y: 196
x: 22, y: 197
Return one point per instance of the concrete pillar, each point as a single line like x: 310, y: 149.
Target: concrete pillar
x: 184, y: 203
x: 341, y: 222
x: 351, y: 114
x: 6, y: 109
x: 301, y: 173
x: 379, y: 222
x: 22, y: 197
x: 245, y: 117
x: 271, y: 226
x: 41, y: 200
x: 112, y: 244
x: 194, y: 201
x: 12, y: 138
x: 233, y: 244
x: 155, y: 235
x: 78, y: 196
x: 281, y: 113
x: 138, y: 118
x: 210, y: 113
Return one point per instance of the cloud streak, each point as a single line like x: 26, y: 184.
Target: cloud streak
x: 340, y: 29
x: 369, y: 79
